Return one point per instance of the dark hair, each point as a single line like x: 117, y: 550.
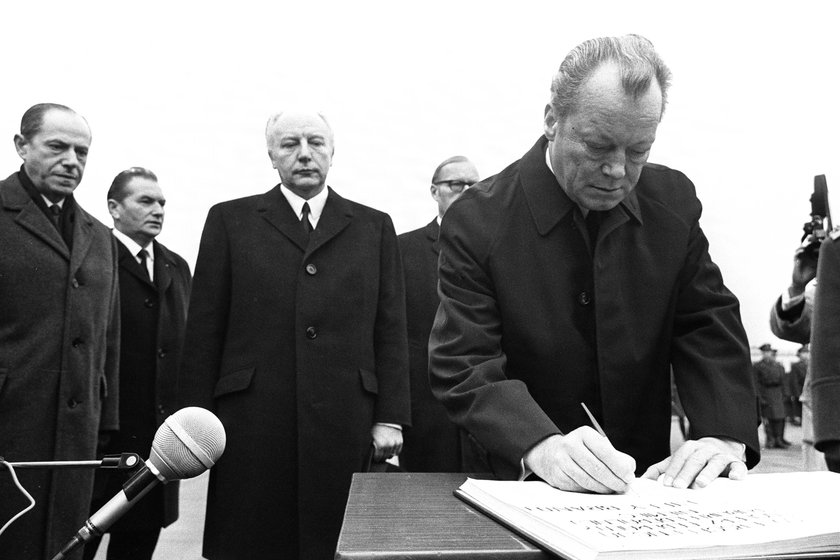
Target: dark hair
x: 117, y: 191
x: 444, y: 163
x: 637, y: 60
x: 33, y: 118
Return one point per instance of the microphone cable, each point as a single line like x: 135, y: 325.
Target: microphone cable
x: 23, y: 491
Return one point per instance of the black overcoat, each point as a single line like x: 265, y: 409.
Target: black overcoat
x: 532, y: 322
x: 59, y: 354
x: 432, y: 444
x: 153, y: 318
x: 299, y: 348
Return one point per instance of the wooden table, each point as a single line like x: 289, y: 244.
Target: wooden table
x: 413, y: 516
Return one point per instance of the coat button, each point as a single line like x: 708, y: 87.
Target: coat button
x: 311, y: 269
x: 149, y: 302
x: 161, y: 410
x: 74, y: 283
x: 584, y: 298
x: 161, y: 353
x: 77, y: 342
x: 311, y: 333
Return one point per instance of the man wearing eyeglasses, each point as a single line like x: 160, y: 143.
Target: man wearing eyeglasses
x: 432, y: 444
x: 580, y: 274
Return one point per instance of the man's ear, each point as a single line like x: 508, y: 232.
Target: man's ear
x: 20, y: 145
x: 112, y: 208
x: 550, y: 123
x: 435, y: 192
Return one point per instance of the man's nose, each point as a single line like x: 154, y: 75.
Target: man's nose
x: 157, y: 209
x: 305, y: 153
x: 71, y: 159
x: 615, y: 166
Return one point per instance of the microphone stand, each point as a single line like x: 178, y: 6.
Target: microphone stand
x: 121, y: 461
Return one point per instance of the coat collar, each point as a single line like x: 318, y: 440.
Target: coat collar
x: 549, y: 204
x: 336, y: 216
x: 432, y: 231
x: 15, y: 199
x: 164, y: 263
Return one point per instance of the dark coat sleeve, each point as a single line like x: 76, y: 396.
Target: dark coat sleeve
x: 207, y: 316
x: 390, y: 335
x: 825, y: 347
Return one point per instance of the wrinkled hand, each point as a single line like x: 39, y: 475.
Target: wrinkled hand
x: 581, y: 461
x: 804, y: 270
x: 698, y: 462
x: 387, y: 442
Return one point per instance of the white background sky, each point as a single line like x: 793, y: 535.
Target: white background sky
x: 184, y: 88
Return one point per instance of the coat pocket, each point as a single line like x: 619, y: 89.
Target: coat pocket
x: 233, y: 382
x: 369, y: 381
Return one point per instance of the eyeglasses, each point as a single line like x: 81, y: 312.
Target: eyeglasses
x: 456, y: 186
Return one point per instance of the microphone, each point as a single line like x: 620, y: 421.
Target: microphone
x: 188, y: 443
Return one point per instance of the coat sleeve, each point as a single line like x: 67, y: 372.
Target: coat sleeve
x: 467, y: 364
x: 825, y: 347
x: 207, y: 317
x: 795, y: 327
x: 110, y: 411
x: 390, y: 335
x: 709, y: 351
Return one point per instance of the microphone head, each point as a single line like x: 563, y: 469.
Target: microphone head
x: 188, y: 443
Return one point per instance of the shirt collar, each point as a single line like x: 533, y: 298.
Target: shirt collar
x: 316, y: 203
x: 132, y: 246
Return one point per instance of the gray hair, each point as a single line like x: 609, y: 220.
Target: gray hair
x: 637, y: 60
x: 119, y: 186
x: 272, y: 120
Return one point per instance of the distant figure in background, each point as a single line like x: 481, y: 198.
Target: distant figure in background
x: 59, y: 332
x: 432, y: 444
x: 154, y: 293
x: 790, y: 319
x: 296, y: 339
x: 770, y: 377
x: 825, y: 350
x: 796, y: 380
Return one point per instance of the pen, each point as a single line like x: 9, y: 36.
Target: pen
x: 600, y: 430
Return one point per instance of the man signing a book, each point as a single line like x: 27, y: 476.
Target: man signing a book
x: 580, y: 274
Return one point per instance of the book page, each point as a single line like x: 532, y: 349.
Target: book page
x: 760, y: 509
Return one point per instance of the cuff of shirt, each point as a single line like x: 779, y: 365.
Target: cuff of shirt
x: 395, y: 426
x: 789, y: 301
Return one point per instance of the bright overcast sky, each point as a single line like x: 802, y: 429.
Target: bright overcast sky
x: 184, y: 88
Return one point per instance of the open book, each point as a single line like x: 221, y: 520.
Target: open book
x: 781, y: 515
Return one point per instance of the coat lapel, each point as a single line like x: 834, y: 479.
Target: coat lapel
x: 336, y: 216
x: 30, y: 217
x: 276, y: 210
x: 163, y: 268
x: 129, y: 263
x: 432, y: 231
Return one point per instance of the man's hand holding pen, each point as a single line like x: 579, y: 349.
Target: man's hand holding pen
x: 581, y: 461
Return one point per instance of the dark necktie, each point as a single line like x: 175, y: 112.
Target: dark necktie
x: 143, y: 256
x: 307, y: 225
x: 55, y: 215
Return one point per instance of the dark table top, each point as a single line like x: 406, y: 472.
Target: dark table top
x: 415, y: 516
x: 410, y: 516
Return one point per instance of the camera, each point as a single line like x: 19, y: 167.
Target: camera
x: 817, y: 228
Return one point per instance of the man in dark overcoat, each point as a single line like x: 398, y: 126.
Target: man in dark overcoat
x: 433, y: 443
x: 154, y: 293
x: 796, y: 381
x: 770, y: 379
x: 825, y: 353
x: 59, y: 332
x: 296, y: 339
x: 580, y: 274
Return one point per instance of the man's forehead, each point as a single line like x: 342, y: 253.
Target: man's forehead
x: 301, y: 125
x: 144, y: 186
x: 58, y: 123
x: 458, y: 170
